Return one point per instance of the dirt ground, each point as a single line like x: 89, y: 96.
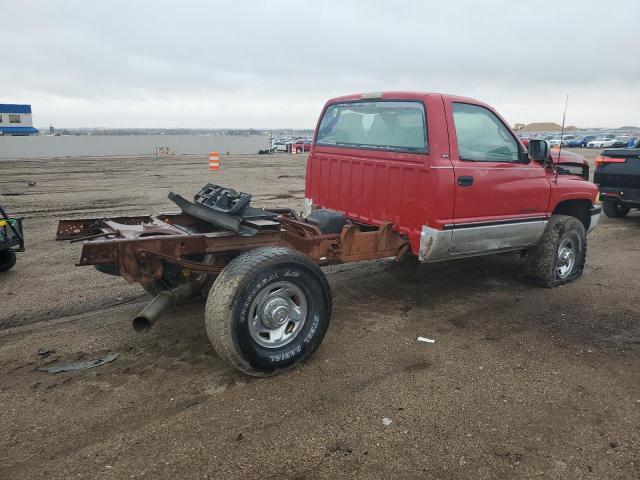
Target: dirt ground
x: 521, y: 382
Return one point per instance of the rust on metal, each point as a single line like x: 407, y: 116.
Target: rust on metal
x: 356, y: 245
x: 140, y: 246
x: 352, y: 245
x: 69, y: 229
x: 307, y: 238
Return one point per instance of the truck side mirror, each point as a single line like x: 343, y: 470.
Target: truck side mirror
x: 538, y: 150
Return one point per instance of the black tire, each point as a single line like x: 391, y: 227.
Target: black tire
x: 614, y: 209
x: 242, y: 283
x: 544, y: 264
x: 7, y: 260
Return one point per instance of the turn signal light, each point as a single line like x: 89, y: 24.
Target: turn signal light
x: 601, y: 160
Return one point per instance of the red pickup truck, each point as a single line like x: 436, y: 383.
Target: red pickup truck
x: 453, y: 179
x: 414, y: 176
x: 301, y: 146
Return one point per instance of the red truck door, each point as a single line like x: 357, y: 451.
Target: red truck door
x: 500, y: 196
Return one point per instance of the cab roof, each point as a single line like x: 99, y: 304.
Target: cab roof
x: 400, y: 95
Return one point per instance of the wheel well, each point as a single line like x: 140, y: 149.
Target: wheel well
x: 575, y: 208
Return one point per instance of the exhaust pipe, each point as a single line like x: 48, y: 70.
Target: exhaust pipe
x: 161, y: 302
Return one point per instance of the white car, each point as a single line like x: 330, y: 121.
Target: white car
x: 600, y: 142
x: 280, y: 144
x: 555, y: 141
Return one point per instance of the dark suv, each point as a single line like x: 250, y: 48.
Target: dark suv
x: 617, y: 175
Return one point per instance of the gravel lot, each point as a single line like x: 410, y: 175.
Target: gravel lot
x: 522, y: 382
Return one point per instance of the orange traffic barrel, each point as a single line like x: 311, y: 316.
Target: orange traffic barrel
x: 214, y: 161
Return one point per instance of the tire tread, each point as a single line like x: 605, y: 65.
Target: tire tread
x: 541, y: 258
x: 7, y: 260
x: 610, y: 210
x: 219, y: 306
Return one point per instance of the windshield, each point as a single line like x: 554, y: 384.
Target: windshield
x: 383, y: 125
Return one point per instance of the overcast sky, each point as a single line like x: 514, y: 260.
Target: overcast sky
x: 273, y: 64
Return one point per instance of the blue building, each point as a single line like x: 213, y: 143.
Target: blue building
x: 16, y: 120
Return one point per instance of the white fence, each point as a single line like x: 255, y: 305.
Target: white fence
x: 115, y: 145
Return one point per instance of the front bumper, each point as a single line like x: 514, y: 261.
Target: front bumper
x: 596, y: 211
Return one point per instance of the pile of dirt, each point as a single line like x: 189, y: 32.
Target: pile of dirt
x: 546, y: 127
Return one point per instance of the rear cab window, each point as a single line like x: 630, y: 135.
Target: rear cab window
x: 378, y: 125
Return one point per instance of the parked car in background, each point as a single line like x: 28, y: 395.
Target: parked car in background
x: 621, y: 141
x: 556, y: 141
x: 302, y: 145
x: 553, y: 142
x: 617, y: 175
x: 280, y: 145
x: 601, y: 141
x: 578, y: 142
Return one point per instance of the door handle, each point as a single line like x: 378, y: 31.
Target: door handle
x: 465, y: 181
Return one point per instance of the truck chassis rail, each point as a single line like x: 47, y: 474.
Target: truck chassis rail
x: 140, y: 246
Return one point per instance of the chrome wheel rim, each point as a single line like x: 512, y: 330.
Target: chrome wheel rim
x: 566, y: 258
x: 277, y: 314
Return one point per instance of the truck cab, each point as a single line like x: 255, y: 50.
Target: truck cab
x: 447, y: 171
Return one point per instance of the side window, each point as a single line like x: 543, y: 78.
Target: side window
x: 482, y: 137
x: 14, y: 119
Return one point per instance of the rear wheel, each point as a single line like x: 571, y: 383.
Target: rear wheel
x: 614, y: 209
x: 560, y: 255
x: 7, y: 260
x: 268, y: 310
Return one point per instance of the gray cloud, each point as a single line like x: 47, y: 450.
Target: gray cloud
x: 273, y: 64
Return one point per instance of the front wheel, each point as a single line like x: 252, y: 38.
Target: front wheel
x: 614, y: 209
x: 560, y: 255
x: 268, y: 310
x: 7, y: 260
